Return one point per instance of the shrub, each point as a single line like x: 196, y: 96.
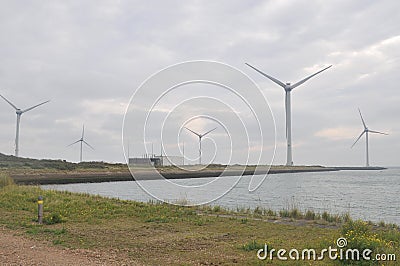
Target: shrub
x: 360, y: 235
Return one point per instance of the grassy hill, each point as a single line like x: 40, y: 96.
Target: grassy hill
x: 12, y: 162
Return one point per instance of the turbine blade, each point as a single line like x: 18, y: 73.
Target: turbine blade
x: 373, y: 131
x: 280, y: 83
x: 194, y: 132
x: 83, y: 130
x: 208, y: 132
x: 307, y: 78
x: 73, y: 143
x: 30, y: 108
x: 362, y: 133
x: 88, y: 144
x: 9, y: 102
x: 362, y: 119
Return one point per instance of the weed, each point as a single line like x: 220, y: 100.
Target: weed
x: 216, y: 208
x: 199, y: 222
x: 5, y: 180
x: 284, y: 213
x: 53, y: 218
x: 310, y: 215
x: 258, y: 210
x: 57, y: 242
x: 270, y: 212
x: 295, y: 213
x: 252, y: 245
x: 331, y: 218
x: 162, y: 219
x: 346, y: 217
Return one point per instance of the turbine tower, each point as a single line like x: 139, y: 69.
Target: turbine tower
x: 19, y: 112
x: 288, y: 87
x: 200, y: 137
x: 81, y: 140
x: 366, y: 131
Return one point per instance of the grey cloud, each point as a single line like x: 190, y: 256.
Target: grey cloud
x: 80, y: 54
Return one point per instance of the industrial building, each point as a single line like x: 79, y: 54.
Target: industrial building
x: 156, y: 161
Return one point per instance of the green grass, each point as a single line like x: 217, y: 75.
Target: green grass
x: 177, y: 235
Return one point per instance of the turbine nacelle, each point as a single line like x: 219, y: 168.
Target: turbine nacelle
x: 288, y: 87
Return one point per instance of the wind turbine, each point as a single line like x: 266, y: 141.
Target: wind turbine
x: 81, y: 140
x: 366, y: 131
x: 19, y: 112
x: 288, y: 87
x: 200, y: 137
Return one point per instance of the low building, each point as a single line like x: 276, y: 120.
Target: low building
x: 169, y: 160
x: 156, y: 161
x: 140, y: 162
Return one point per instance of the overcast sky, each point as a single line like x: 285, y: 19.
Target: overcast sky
x: 89, y: 57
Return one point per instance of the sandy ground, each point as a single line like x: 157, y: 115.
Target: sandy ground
x: 19, y: 250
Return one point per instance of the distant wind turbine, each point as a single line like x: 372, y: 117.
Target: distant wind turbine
x: 200, y: 137
x: 288, y: 87
x: 19, y: 112
x: 366, y: 131
x: 81, y: 140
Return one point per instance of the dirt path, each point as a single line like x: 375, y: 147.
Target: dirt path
x: 19, y: 250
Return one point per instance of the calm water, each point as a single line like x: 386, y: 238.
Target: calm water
x: 369, y: 195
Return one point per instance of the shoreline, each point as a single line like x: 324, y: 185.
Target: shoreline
x: 143, y: 174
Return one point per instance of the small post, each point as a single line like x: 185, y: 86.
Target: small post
x: 40, y: 209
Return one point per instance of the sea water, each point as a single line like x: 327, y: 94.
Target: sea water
x: 368, y: 195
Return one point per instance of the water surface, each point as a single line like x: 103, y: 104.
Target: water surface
x: 369, y: 195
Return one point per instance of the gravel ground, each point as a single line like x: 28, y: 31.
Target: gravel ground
x: 19, y: 250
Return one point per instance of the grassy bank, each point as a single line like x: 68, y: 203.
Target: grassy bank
x: 159, y: 234
x: 26, y: 171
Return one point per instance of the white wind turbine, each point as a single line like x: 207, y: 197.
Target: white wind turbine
x: 366, y: 131
x: 288, y: 87
x: 200, y: 137
x: 19, y: 112
x: 81, y: 140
